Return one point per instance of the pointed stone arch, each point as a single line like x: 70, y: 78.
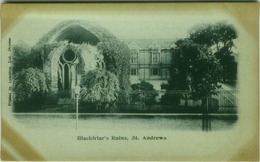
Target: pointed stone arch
x: 91, y: 43
x: 62, y: 67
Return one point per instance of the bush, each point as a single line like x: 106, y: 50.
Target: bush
x: 100, y: 87
x: 51, y: 98
x: 143, y: 92
x: 29, y: 83
x: 170, y: 98
x: 30, y: 88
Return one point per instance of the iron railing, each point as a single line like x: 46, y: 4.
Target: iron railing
x: 224, y: 100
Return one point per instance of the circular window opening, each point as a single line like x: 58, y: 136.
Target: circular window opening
x: 69, y: 55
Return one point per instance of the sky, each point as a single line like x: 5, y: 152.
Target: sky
x: 32, y: 27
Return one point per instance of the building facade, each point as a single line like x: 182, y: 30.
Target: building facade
x: 150, y: 60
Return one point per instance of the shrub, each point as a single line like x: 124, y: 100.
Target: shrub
x: 29, y: 87
x: 170, y: 98
x: 29, y: 82
x: 51, y: 98
x: 100, y: 87
x: 143, y: 92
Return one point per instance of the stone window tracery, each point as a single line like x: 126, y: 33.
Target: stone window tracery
x: 69, y: 67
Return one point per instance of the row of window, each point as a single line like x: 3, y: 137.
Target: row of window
x: 154, y: 71
x: 155, y: 57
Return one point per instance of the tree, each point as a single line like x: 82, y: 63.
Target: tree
x: 196, y: 67
x: 21, y: 56
x: 186, y: 52
x: 220, y: 38
x: 99, y: 87
x: 220, y: 35
x: 205, y: 77
x: 184, y: 70
x: 143, y: 92
x: 29, y: 87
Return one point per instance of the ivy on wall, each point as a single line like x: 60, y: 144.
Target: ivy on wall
x: 114, y: 53
x: 116, y: 57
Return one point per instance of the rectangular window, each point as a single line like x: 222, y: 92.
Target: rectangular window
x: 133, y: 71
x: 155, y: 71
x: 155, y: 57
x: 134, y: 58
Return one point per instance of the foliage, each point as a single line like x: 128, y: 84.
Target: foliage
x: 187, y: 53
x: 29, y: 83
x: 21, y: 56
x: 116, y: 58
x: 198, y: 71
x: 97, y: 30
x: 196, y: 67
x: 100, y: 87
x: 205, y: 76
x: 40, y: 52
x: 50, y: 98
x: 25, y: 57
x: 170, y: 98
x: 143, y: 92
x: 219, y: 38
x: 116, y: 53
x: 123, y: 99
x: 115, y: 79
x: 220, y: 35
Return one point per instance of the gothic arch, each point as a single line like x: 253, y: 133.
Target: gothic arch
x: 66, y: 63
x: 67, y: 30
x: 80, y: 38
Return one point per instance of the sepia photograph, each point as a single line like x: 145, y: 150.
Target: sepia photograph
x: 97, y: 80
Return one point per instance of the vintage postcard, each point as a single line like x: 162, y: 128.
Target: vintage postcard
x: 130, y: 82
